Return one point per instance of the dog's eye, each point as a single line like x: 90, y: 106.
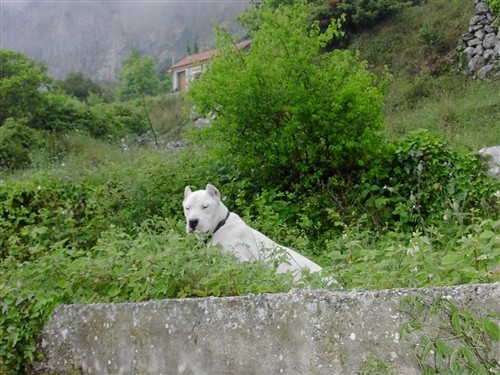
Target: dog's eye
x: 186, y: 208
x: 205, y: 206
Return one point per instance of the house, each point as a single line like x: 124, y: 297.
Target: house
x: 190, y: 67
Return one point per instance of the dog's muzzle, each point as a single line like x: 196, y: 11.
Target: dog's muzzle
x: 193, y: 224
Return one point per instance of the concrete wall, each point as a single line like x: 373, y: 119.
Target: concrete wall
x: 302, y: 332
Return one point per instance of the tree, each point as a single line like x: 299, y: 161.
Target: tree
x: 192, y: 49
x: 138, y: 77
x: 79, y: 86
x: 21, y: 83
x: 286, y: 114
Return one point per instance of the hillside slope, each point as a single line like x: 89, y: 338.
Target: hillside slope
x: 429, y: 90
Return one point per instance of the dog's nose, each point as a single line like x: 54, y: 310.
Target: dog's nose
x: 193, y: 223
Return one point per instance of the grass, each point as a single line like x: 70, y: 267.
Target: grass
x: 418, y: 38
x: 428, y: 90
x: 170, y: 115
x: 467, y: 114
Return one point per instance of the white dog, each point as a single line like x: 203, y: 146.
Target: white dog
x: 207, y: 216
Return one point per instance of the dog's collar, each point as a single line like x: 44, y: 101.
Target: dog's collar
x: 222, y: 222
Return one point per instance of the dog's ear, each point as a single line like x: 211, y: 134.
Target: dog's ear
x: 187, y: 191
x: 212, y: 190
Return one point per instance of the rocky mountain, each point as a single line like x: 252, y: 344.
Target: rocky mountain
x: 95, y: 36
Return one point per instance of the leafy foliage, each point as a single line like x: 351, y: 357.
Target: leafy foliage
x: 20, y: 81
x: 359, y: 14
x: 62, y: 114
x: 29, y: 98
x: 366, y: 258
x: 474, y: 337
x: 80, y: 87
x: 494, y: 6
x: 287, y: 111
x: 16, y: 142
x: 138, y: 77
x: 425, y: 181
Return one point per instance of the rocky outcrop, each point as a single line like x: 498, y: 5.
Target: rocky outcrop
x: 481, y: 43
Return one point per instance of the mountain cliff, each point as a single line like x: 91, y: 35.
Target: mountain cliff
x: 94, y: 37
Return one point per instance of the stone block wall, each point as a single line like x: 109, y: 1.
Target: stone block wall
x: 481, y: 43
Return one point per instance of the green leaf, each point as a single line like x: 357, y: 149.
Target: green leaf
x: 467, y: 354
x: 491, y: 329
x: 429, y: 345
x: 487, y: 234
x: 455, y: 365
x: 452, y: 258
x: 443, y: 348
x: 455, y: 321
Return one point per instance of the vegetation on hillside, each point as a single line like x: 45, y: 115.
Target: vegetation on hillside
x: 298, y: 117
x: 85, y: 217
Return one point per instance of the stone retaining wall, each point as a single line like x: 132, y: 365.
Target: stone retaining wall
x: 302, y: 332
x: 481, y: 43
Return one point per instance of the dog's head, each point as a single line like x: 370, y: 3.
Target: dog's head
x: 203, y: 209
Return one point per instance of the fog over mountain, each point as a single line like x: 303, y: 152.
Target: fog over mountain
x: 96, y: 36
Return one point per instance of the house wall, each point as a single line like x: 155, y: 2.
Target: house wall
x: 191, y: 72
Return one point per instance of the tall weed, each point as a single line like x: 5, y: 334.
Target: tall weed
x: 369, y: 260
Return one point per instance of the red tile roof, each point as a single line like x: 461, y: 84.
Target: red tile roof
x: 203, y: 57
x: 197, y: 59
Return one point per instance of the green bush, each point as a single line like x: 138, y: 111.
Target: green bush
x: 359, y: 14
x: 449, y: 254
x: 16, y: 143
x: 365, y: 13
x: 74, y: 203
x: 37, y: 214
x: 129, y: 118
x: 494, y: 6
x: 60, y: 113
x: 286, y: 115
x: 138, y: 77
x: 20, y: 81
x: 63, y: 114
x: 425, y: 182
x: 79, y: 86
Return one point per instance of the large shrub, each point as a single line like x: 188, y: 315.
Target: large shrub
x: 424, y: 181
x: 358, y: 14
x: 20, y: 82
x: 138, y: 77
x: 79, y: 86
x: 285, y: 113
x: 16, y: 142
x: 364, y: 13
x: 63, y: 114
